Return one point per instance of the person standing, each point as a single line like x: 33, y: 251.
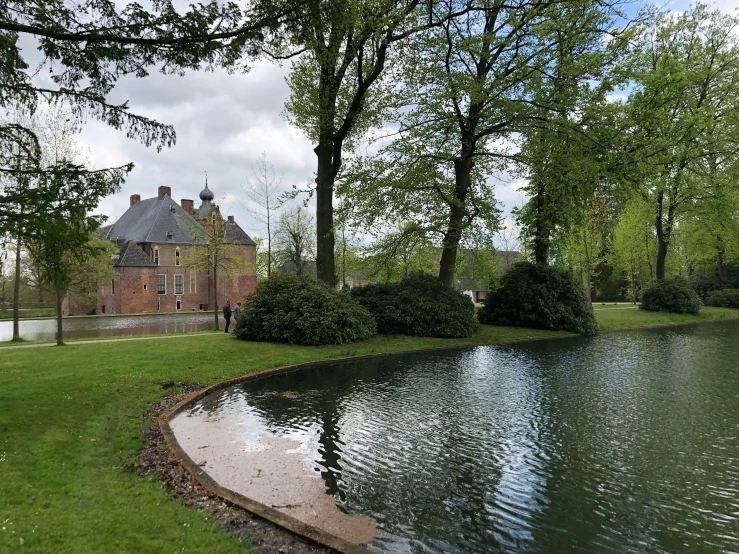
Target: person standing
x: 227, y: 314
x: 237, y: 312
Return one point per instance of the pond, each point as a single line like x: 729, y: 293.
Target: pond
x: 624, y: 442
x: 81, y: 327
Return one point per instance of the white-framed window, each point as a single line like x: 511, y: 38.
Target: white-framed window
x: 177, y: 257
x: 156, y: 255
x: 179, y: 284
x: 161, y: 284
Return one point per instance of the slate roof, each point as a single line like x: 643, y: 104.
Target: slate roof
x: 157, y: 220
x: 131, y: 255
x: 103, y: 232
x: 236, y: 235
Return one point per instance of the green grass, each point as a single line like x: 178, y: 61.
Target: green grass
x: 613, y: 319
x: 70, y: 426
x: 32, y: 313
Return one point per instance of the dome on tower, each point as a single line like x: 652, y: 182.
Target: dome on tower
x: 206, y: 195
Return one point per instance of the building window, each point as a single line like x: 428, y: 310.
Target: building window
x: 179, y: 305
x: 177, y: 257
x: 161, y: 284
x: 159, y: 305
x: 144, y: 286
x: 200, y: 307
x: 156, y: 256
x: 179, y: 284
x: 193, y: 282
x: 112, y: 286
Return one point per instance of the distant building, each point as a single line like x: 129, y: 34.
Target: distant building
x: 477, y: 288
x: 155, y: 236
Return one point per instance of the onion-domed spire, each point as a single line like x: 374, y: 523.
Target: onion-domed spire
x: 206, y: 195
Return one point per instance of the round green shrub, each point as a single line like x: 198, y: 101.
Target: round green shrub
x: 708, y: 281
x: 301, y: 310
x: 419, y: 305
x: 675, y: 296
x: 726, y: 298
x: 539, y: 296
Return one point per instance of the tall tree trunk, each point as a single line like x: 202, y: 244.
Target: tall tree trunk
x: 325, y: 175
x: 587, y: 264
x: 661, y: 258
x: 215, y: 297
x: 17, y: 291
x: 723, y: 268
x: 663, y: 236
x: 541, y: 229
x: 269, y: 243
x: 59, y: 326
x: 453, y: 234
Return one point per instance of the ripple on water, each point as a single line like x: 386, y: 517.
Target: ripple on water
x: 621, y: 443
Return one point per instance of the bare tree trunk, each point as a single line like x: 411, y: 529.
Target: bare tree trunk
x: 59, y: 326
x: 661, y: 258
x: 587, y: 264
x: 325, y: 265
x: 541, y: 230
x: 453, y: 234
x: 215, y: 297
x: 723, y: 269
x: 17, y: 291
x: 269, y: 242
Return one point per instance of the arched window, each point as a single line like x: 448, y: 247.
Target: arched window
x: 177, y: 257
x: 156, y: 255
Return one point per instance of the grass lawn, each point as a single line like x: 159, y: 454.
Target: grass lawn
x: 70, y: 428
x: 31, y: 313
x: 611, y: 319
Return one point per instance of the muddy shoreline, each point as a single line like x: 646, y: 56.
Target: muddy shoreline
x: 156, y: 462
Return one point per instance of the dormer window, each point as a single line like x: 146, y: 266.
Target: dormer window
x: 169, y: 235
x: 213, y: 218
x: 156, y: 256
x: 177, y: 257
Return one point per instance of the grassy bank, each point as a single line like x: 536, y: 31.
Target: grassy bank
x: 31, y: 313
x: 70, y: 428
x: 612, y: 318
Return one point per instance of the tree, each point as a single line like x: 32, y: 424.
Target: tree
x: 89, y: 47
x: 633, y: 246
x: 216, y: 255
x: 683, y: 110
x: 336, y: 88
x: 474, y: 83
x: 294, y: 240
x: 263, y: 190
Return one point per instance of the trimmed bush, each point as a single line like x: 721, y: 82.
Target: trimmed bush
x: 675, y: 296
x: 301, y: 310
x: 539, y: 296
x: 419, y: 305
x: 726, y: 298
x: 706, y: 282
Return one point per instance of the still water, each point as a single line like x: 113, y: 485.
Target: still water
x: 41, y: 329
x: 619, y: 443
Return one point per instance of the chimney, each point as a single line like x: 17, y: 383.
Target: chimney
x: 165, y: 191
x: 135, y: 199
x: 231, y: 219
x: 187, y: 205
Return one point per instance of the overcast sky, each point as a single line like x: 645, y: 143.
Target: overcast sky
x: 223, y: 124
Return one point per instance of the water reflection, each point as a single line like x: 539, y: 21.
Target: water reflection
x: 43, y: 329
x: 620, y: 443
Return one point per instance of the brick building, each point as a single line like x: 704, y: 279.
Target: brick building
x: 160, y: 243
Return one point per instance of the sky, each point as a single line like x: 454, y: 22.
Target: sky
x: 223, y: 124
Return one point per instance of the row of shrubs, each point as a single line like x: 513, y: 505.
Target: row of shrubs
x: 300, y: 310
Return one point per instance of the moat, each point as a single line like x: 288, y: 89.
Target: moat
x: 626, y: 442
x: 111, y: 326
